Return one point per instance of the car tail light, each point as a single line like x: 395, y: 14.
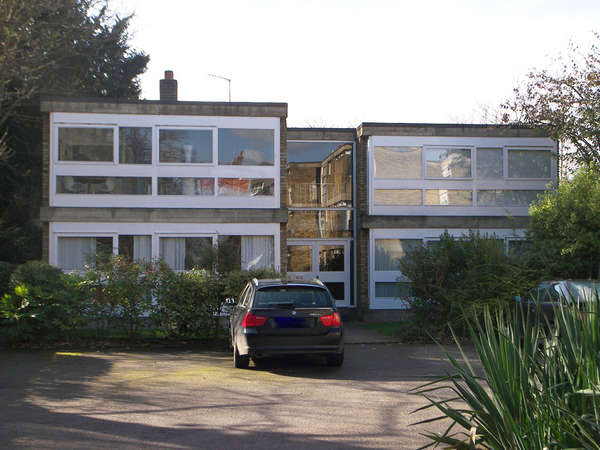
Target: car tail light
x: 333, y: 320
x: 252, y: 320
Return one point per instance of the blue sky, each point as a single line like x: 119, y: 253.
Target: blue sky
x: 338, y: 63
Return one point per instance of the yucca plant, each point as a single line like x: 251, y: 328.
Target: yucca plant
x: 537, y: 387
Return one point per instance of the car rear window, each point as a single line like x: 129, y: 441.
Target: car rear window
x: 583, y: 291
x: 298, y: 296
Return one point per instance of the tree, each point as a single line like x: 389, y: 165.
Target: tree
x: 565, y: 228
x: 566, y: 103
x: 52, y: 47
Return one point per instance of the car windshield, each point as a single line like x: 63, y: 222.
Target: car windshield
x: 292, y: 296
x: 583, y: 290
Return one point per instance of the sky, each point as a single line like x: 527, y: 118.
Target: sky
x: 340, y: 63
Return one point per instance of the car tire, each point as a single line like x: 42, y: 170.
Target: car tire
x: 240, y: 361
x: 335, y: 360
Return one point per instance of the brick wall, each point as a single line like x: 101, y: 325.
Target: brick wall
x: 362, y: 188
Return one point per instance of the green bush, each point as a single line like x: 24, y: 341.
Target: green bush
x: 42, y: 302
x: 458, y: 277
x: 538, y: 390
x: 6, y: 269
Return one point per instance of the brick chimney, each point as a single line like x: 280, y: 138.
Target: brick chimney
x: 168, y: 87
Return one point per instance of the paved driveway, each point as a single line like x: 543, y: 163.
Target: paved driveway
x: 194, y: 399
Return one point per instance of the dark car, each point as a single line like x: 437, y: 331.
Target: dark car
x: 279, y: 317
x: 548, y: 294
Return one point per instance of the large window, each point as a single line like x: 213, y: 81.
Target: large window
x: 135, y: 145
x: 448, y: 162
x: 319, y: 224
x: 507, y: 197
x: 246, y: 187
x: 529, y: 163
x: 490, y: 163
x: 185, y: 146
x: 246, y: 147
x: 104, y: 185
x: 404, y: 197
x: 186, y: 186
x: 245, y: 252
x: 398, y: 162
x: 448, y: 197
x: 389, y: 252
x: 75, y: 253
x: 135, y: 248
x: 85, y: 144
x: 185, y: 253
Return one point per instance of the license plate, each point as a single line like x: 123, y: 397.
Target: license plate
x: 292, y: 322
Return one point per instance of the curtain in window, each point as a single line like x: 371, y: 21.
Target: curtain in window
x: 142, y: 248
x: 257, y: 252
x: 172, y: 251
x: 74, y: 253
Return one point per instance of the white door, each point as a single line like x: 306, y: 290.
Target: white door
x: 328, y: 260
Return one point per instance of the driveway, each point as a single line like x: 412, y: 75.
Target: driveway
x: 195, y: 399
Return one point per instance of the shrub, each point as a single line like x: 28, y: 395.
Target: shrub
x: 42, y: 302
x: 538, y: 390
x: 6, y: 269
x: 458, y: 277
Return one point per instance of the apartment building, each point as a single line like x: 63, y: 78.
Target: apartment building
x: 170, y: 179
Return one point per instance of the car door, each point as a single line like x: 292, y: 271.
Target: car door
x: 236, y: 313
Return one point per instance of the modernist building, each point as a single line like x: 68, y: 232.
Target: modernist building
x: 169, y: 179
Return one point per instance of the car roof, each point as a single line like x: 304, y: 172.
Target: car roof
x: 287, y: 282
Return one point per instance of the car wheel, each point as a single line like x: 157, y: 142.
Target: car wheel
x: 335, y: 360
x: 240, y: 361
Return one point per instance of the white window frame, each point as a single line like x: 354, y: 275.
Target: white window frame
x: 473, y: 184
x: 158, y: 230
x: 426, y: 235
x: 157, y: 169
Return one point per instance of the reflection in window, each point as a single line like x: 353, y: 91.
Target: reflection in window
x: 246, y: 187
x: 398, y: 162
x: 299, y: 258
x: 507, y: 197
x: 448, y: 197
x: 320, y: 174
x: 448, y: 162
x: 135, y: 248
x: 246, y: 147
x: 104, y: 185
x: 331, y: 258
x: 518, y: 247
x: 75, y: 253
x: 490, y: 163
x: 85, y: 144
x: 185, y: 146
x: 319, y: 224
x: 400, y: 197
x: 529, y: 163
x: 393, y: 290
x: 186, y: 186
x: 389, y: 252
x: 186, y: 253
x: 245, y: 253
x: 135, y: 145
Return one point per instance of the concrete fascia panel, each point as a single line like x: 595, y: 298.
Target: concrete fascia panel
x: 474, y: 222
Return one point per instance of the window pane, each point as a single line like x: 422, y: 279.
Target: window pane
x: 229, y: 253
x: 185, y: 146
x: 299, y: 258
x: 389, y: 252
x: 135, y: 145
x: 85, y: 144
x: 529, y: 163
x: 186, y: 186
x: 518, y: 247
x: 337, y: 290
x: 246, y: 147
x: 507, y: 198
x: 490, y: 163
x: 393, y: 290
x: 104, y: 185
x: 400, y: 197
x: 246, y: 187
x: 135, y: 248
x: 398, y: 162
x: 186, y: 253
x: 448, y: 162
x: 331, y: 258
x: 448, y: 197
x: 319, y: 224
x: 74, y: 253
x: 257, y: 252
x: 320, y: 174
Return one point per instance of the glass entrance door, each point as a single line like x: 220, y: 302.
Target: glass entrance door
x: 327, y: 260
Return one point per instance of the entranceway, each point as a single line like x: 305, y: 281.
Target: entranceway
x: 327, y: 260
